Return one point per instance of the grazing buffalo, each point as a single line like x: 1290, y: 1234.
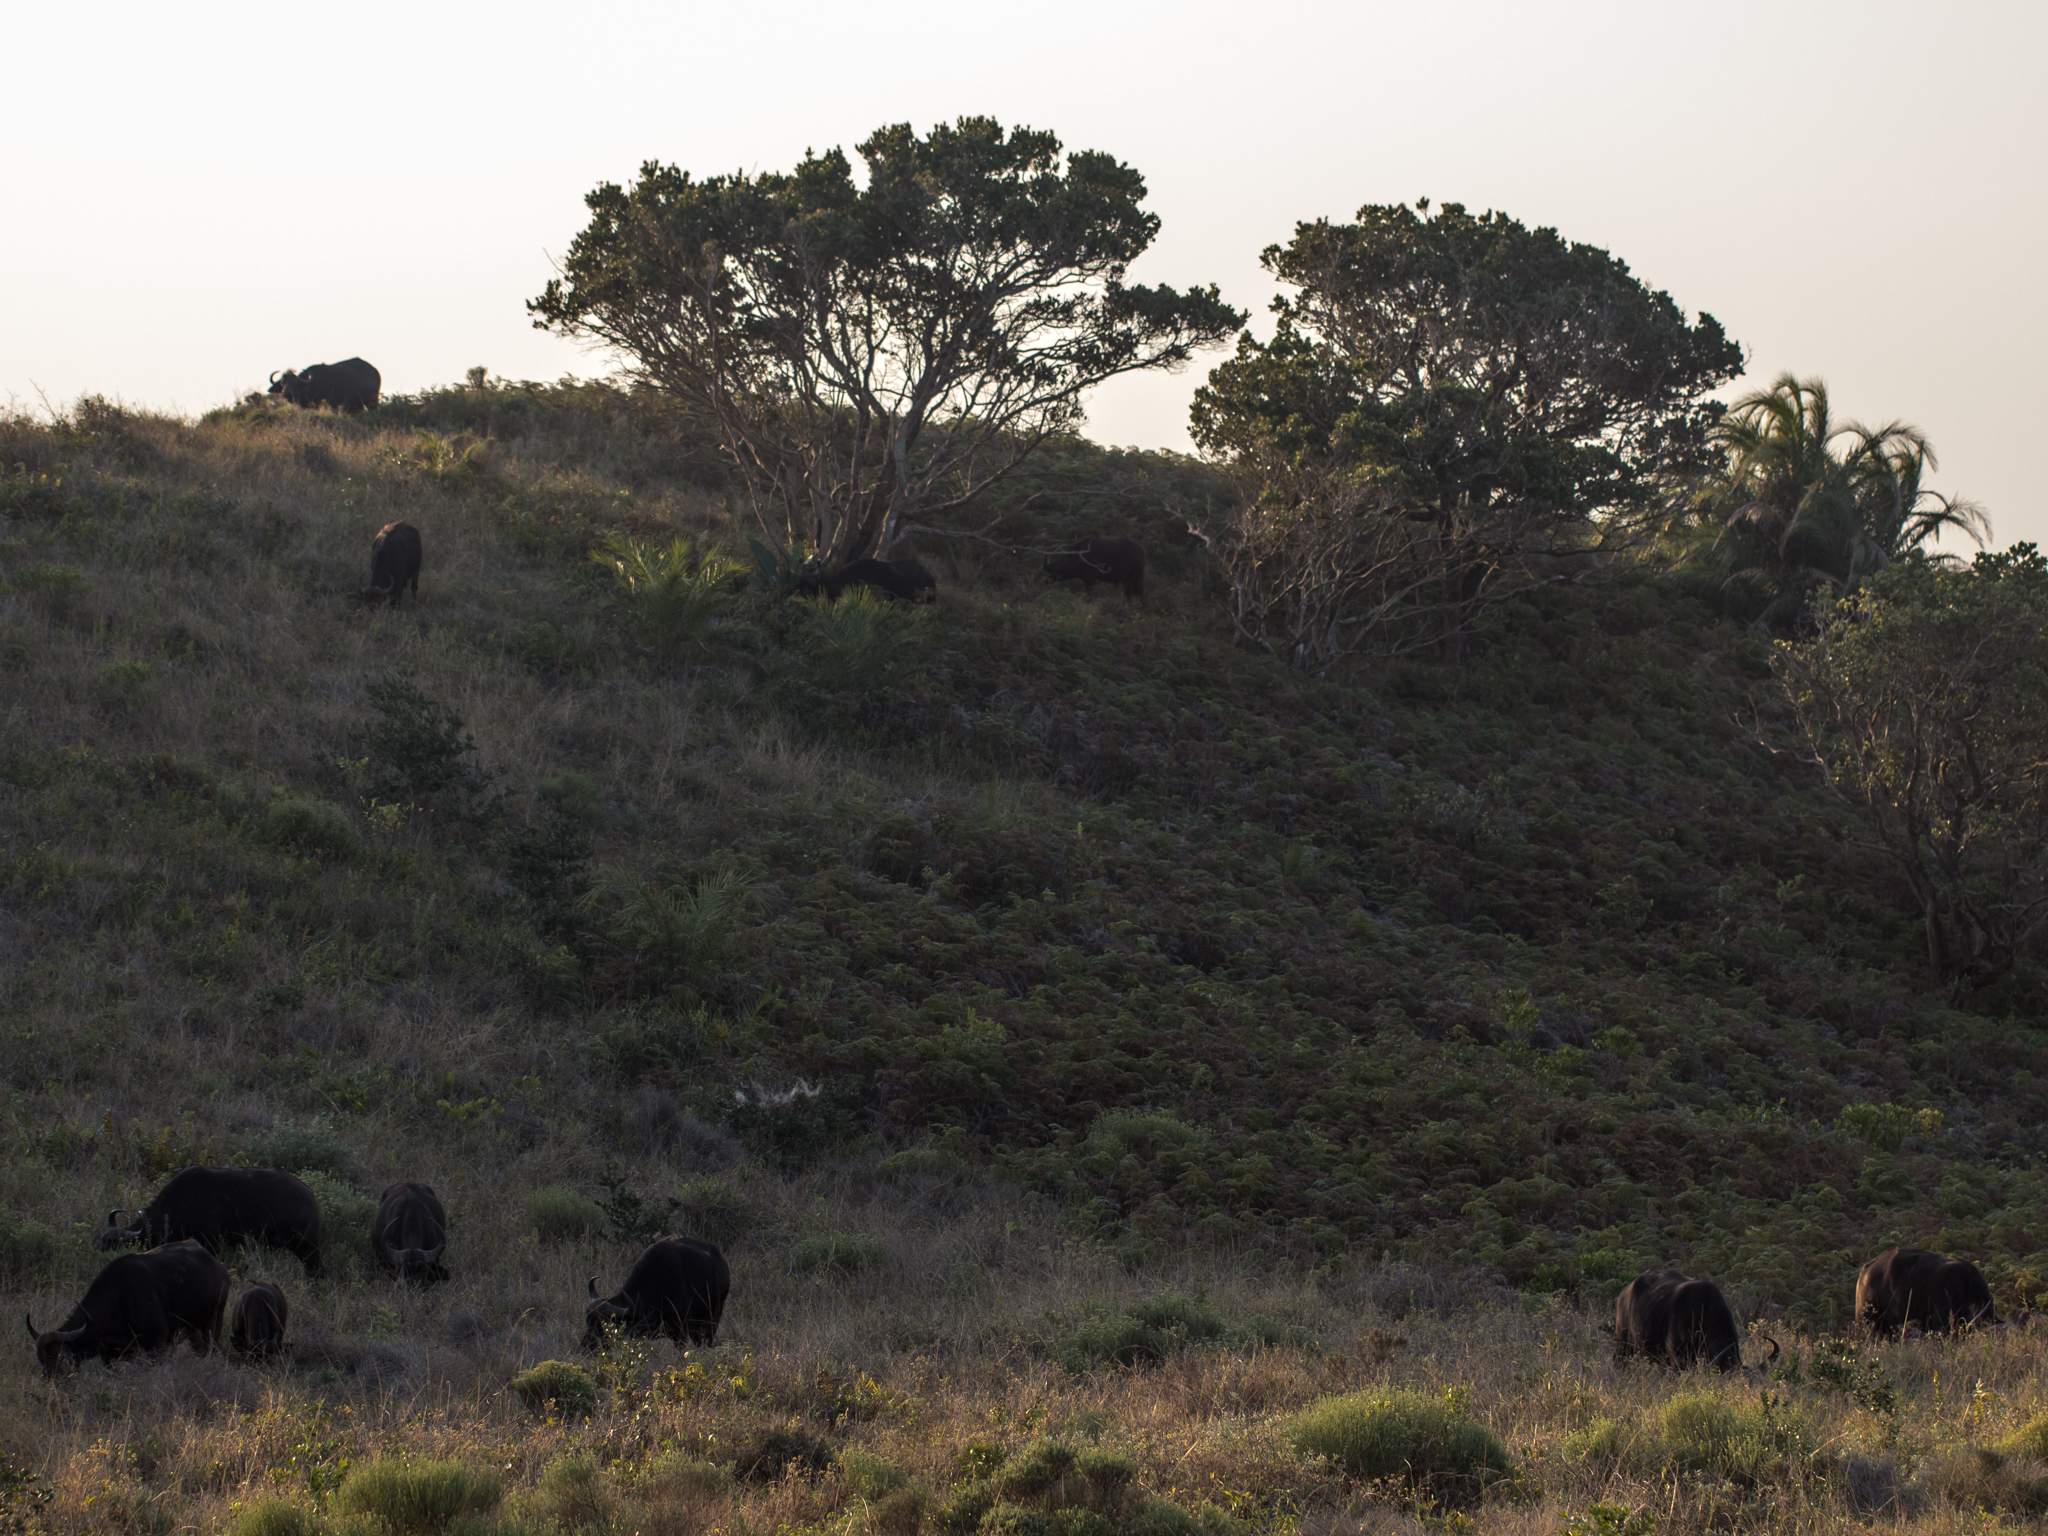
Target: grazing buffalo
x: 677, y: 1287
x: 141, y: 1301
x: 394, y: 563
x: 1677, y: 1321
x: 350, y: 386
x: 1116, y: 560
x: 225, y: 1208
x: 410, y: 1232
x: 1911, y: 1285
x: 256, y: 1325
x: 905, y: 581
x: 924, y: 586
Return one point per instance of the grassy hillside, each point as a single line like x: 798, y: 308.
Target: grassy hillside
x: 972, y: 975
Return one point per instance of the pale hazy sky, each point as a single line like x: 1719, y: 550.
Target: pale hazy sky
x: 192, y: 199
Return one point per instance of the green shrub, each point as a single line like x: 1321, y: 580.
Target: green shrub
x: 275, y: 1517
x: 676, y: 1474
x: 416, y: 749
x: 27, y: 1248
x: 921, y: 1162
x: 1603, y: 1442
x: 345, y: 1217
x: 1142, y: 1135
x: 1748, y: 1444
x: 563, y: 1216
x: 1427, y: 1441
x: 556, y: 1386
x: 844, y: 1253
x: 422, y: 1496
x: 313, y: 1146
x: 573, y: 1495
x: 870, y: 1476
x: 312, y: 828
x: 718, y: 1210
x: 2029, y: 1441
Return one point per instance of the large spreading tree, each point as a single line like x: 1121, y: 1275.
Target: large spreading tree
x: 876, y: 356
x: 1444, y: 395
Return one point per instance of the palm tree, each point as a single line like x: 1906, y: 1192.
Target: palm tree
x: 1820, y: 504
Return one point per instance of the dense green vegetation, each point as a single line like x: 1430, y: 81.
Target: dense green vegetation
x: 903, y: 948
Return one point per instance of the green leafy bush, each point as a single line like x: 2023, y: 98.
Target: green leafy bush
x: 563, y: 1216
x: 574, y: 1495
x: 870, y: 1476
x: 345, y: 1217
x: 556, y: 1386
x: 423, y: 1496
x: 313, y: 1146
x: 312, y: 828
x: 416, y: 750
x: 276, y: 1517
x: 1426, y: 1441
x: 27, y: 1249
x: 1747, y: 1443
x: 842, y: 1253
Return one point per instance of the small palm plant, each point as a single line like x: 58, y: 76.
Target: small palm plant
x: 677, y: 594
x: 669, y: 934
x: 1813, y: 504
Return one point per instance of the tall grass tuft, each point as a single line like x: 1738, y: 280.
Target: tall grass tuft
x: 345, y: 1217
x: 1430, y: 1442
x: 424, y: 1496
x: 668, y: 935
x: 563, y: 1216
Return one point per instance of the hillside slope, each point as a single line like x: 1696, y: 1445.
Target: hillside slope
x: 1532, y: 962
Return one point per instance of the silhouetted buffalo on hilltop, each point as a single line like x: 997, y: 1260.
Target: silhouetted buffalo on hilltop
x: 1911, y: 1285
x: 410, y: 1233
x: 677, y: 1287
x: 1121, y: 561
x: 1677, y: 1321
x: 141, y: 1301
x: 225, y: 1208
x: 347, y: 386
x: 394, y: 563
x: 256, y: 1325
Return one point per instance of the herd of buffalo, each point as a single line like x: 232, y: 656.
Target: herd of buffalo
x: 179, y: 1288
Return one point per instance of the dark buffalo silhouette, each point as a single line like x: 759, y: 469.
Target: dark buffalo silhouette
x: 924, y: 586
x: 677, y: 1287
x: 141, y: 1301
x: 410, y: 1233
x: 225, y: 1208
x: 347, y: 386
x: 1677, y: 1321
x: 394, y: 563
x: 1911, y: 1285
x: 1121, y: 561
x: 256, y: 1324
x: 906, y: 581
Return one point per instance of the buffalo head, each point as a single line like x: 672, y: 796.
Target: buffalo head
x: 50, y: 1346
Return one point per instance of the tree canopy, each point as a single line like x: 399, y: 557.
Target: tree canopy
x: 1440, y: 391
x: 876, y: 356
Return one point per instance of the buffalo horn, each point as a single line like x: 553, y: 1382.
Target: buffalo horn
x: 29, y: 1318
x: 433, y: 1255
x: 274, y: 373
x: 114, y: 1217
x: 593, y: 1287
x: 70, y: 1335
x: 1775, y: 1351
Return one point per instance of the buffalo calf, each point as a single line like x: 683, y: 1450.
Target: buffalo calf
x: 141, y: 1301
x: 256, y: 1323
x: 1911, y: 1285
x: 1121, y: 561
x: 677, y: 1287
x: 394, y: 563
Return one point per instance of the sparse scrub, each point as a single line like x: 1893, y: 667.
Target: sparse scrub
x: 838, y: 1253
x: 310, y: 827
x: 297, y: 1146
x: 345, y: 1217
